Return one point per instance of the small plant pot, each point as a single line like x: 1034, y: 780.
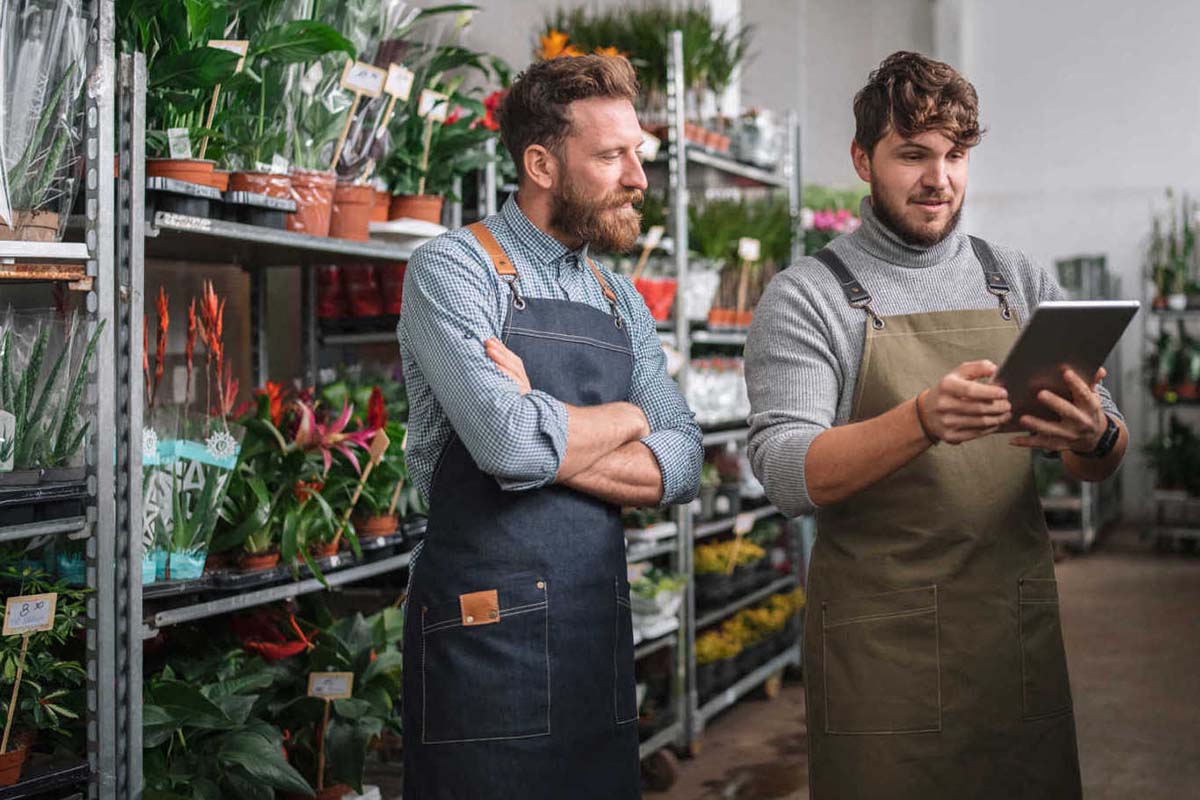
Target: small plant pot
x: 218, y: 561
x: 383, y: 201
x: 258, y: 562
x: 64, y: 475
x: 712, y: 140
x: 31, y: 226
x: 323, y: 549
x: 185, y: 566
x: 21, y: 477
x: 713, y: 588
x: 384, y: 525
x: 149, y: 568
x: 313, y: 192
x: 191, y: 170
x: 11, y: 764
x: 743, y: 319
x: 424, y: 207
x: 352, y: 205
x: 265, y: 183
x: 220, y: 180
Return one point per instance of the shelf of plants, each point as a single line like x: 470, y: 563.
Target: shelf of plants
x: 747, y: 684
x: 747, y: 600
x: 57, y: 396
x: 1172, y: 336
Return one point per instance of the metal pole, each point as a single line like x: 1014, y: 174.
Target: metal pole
x: 792, y: 169
x: 489, y: 179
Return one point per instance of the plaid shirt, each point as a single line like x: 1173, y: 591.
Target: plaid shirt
x: 454, y: 301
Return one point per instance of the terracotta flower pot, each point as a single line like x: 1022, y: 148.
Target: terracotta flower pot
x: 313, y: 192
x: 258, y: 562
x: 384, y: 525
x: 264, y: 183
x: 383, y: 201
x: 11, y: 764
x: 31, y: 226
x: 217, y: 561
x: 352, y: 206
x: 742, y: 319
x: 192, y: 170
x: 323, y: 549
x: 712, y: 140
x: 426, y: 207
x: 220, y: 180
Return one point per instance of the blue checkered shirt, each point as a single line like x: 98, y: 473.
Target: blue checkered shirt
x: 454, y: 301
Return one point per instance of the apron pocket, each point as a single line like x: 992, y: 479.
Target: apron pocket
x: 624, y: 681
x: 1045, y: 687
x: 487, y: 681
x: 882, y: 664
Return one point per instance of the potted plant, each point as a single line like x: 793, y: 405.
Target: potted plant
x: 43, y: 45
x: 49, y: 699
x: 656, y: 596
x: 716, y: 655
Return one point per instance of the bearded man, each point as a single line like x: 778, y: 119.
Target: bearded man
x: 540, y: 405
x: 933, y: 657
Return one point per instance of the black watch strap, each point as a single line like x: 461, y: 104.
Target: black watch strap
x: 1108, y: 440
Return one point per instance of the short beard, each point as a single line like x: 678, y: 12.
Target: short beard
x: 598, y: 223
x: 895, y: 223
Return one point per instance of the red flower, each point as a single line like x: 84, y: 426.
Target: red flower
x: 273, y: 391
x: 275, y: 652
x: 376, y: 410
x: 454, y: 116
x: 227, y: 398
x: 491, y: 105
x: 190, y: 347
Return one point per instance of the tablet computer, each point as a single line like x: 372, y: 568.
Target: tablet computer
x: 1076, y: 333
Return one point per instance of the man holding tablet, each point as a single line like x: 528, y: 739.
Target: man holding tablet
x: 933, y: 652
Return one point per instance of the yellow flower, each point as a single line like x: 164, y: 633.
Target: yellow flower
x: 554, y: 44
x: 609, y: 51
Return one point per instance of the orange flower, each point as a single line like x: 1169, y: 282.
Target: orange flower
x: 160, y: 350
x: 274, y: 393
x: 554, y: 44
x: 609, y: 51
x: 190, y: 347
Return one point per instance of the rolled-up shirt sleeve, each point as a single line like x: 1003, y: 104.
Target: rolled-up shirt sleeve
x: 449, y: 311
x: 675, y: 438
x: 794, y: 382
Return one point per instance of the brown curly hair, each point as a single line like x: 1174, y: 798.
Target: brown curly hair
x: 914, y: 94
x: 534, y: 111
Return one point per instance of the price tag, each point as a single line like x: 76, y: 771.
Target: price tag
x: 433, y: 105
x: 29, y: 613
x: 179, y: 143
x: 399, y: 81
x: 743, y: 523
x: 279, y: 164
x: 330, y: 685
x: 749, y: 249
x: 654, y: 236
x: 651, y: 144
x: 8, y: 432
x: 362, y: 78
x: 239, y: 46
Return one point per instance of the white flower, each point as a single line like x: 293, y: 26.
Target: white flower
x: 222, y: 445
x: 149, y: 443
x: 806, y: 219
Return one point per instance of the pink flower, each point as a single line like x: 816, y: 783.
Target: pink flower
x: 312, y: 435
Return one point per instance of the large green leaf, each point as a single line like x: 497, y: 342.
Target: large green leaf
x: 158, y: 726
x: 188, y: 705
x: 263, y: 760
x: 200, y: 68
x: 346, y: 749
x: 300, y: 41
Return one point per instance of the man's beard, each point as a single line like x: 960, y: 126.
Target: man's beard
x: 602, y: 224
x: 894, y: 220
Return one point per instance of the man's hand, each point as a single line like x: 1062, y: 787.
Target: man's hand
x: 1081, y: 420
x: 509, y: 363
x: 960, y: 408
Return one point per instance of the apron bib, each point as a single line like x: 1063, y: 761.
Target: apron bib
x: 934, y: 658
x: 518, y: 642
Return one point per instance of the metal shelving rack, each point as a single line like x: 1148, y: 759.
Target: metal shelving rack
x: 682, y: 157
x: 86, y: 266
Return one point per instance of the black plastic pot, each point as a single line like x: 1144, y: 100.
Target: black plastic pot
x: 257, y: 209
x: 64, y: 475
x: 20, y: 477
x: 180, y: 197
x: 713, y: 589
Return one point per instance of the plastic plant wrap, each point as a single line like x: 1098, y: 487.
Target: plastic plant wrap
x: 42, y: 53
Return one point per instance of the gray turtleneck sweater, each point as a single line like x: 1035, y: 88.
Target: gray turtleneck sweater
x: 806, y: 342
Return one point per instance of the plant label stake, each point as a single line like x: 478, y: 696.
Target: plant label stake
x: 379, y: 446
x: 362, y: 79
x: 742, y: 524
x: 749, y: 251
x: 398, y: 86
x: 653, y: 238
x: 328, y: 686
x: 399, y: 484
x: 434, y: 107
x: 24, y: 616
x: 239, y: 46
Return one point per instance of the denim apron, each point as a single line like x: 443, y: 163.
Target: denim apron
x: 518, y: 679
x: 933, y: 650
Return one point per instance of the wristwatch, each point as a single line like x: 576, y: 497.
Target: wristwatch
x: 1108, y: 440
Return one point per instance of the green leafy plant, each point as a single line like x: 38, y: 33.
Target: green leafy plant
x: 45, y: 435
x: 31, y: 181
x: 208, y: 736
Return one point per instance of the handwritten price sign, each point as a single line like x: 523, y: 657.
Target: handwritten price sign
x: 331, y: 685
x: 399, y: 81
x: 29, y: 613
x: 749, y: 249
x: 434, y: 106
x: 743, y: 524
x: 362, y: 78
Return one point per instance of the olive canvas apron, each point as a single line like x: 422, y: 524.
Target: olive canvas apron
x: 518, y: 642
x: 934, y: 658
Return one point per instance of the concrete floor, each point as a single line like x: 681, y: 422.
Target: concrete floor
x: 1131, y: 619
